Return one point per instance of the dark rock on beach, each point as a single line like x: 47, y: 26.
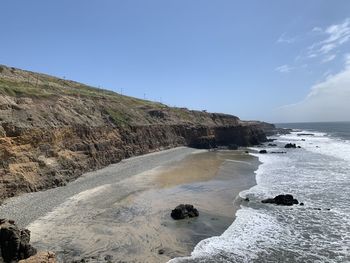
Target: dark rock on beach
x: 184, y: 211
x: 281, y: 200
x: 263, y: 151
x: 14, y: 242
x: 278, y: 152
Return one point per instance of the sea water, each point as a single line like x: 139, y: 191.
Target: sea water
x: 317, y: 174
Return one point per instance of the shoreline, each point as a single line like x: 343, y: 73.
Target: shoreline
x: 26, y: 203
x: 211, y: 181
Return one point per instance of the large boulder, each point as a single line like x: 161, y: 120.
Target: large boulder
x: 281, y: 200
x: 14, y: 242
x: 290, y: 145
x: 184, y: 211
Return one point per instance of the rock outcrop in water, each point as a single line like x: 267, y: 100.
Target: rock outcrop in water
x: 306, y: 134
x: 14, y: 242
x: 53, y: 130
x: 287, y: 200
x: 291, y: 145
x: 184, y: 211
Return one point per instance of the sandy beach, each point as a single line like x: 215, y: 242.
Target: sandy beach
x: 122, y: 212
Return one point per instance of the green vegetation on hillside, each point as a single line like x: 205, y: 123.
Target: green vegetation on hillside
x: 84, y: 100
x: 118, y: 118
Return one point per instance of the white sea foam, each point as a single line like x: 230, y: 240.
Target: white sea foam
x: 321, y: 143
x: 317, y: 232
x: 242, y: 239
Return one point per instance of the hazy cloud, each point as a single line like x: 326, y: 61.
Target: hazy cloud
x: 327, y: 74
x: 326, y: 101
x: 329, y: 58
x: 285, y: 39
x: 347, y: 60
x: 317, y: 29
x: 284, y: 69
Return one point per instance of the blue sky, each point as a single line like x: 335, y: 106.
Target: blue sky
x: 270, y: 60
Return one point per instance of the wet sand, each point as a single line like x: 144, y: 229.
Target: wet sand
x: 129, y: 219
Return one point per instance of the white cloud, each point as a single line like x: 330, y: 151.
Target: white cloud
x: 334, y: 37
x: 284, y: 69
x: 331, y: 38
x: 329, y: 58
x: 285, y: 39
x: 327, y: 48
x: 326, y: 101
x: 338, y: 33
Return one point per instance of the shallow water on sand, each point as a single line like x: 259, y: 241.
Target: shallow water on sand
x: 130, y: 220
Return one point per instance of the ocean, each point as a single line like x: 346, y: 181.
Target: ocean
x: 317, y: 174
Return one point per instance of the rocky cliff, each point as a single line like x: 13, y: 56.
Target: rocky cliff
x: 52, y: 130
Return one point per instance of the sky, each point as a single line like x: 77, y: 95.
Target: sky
x: 273, y: 60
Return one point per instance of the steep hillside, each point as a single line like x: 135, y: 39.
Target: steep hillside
x: 53, y: 130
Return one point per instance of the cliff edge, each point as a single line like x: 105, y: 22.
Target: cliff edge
x: 52, y: 130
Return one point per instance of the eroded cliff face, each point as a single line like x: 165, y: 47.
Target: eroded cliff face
x: 53, y: 130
